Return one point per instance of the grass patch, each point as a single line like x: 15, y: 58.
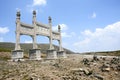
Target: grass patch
x: 5, y: 50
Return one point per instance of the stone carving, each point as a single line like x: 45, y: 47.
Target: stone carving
x: 34, y: 30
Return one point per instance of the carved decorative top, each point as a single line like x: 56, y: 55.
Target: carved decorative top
x: 18, y: 14
x: 50, y: 19
x: 34, y: 12
x: 59, y: 28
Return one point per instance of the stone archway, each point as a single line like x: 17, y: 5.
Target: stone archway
x: 34, y: 30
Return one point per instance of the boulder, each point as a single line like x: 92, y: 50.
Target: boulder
x: 87, y: 71
x: 98, y: 76
x: 105, y: 67
x: 95, y: 58
x: 82, y: 70
x: 86, y: 61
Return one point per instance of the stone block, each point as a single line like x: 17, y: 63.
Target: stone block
x: 61, y: 54
x: 17, y: 55
x: 35, y: 54
x: 51, y: 54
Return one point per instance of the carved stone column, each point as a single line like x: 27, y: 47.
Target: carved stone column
x: 51, y: 53
x: 34, y: 36
x: 35, y: 53
x: 61, y: 53
x: 17, y: 54
x: 17, y: 44
x: 60, y: 40
x: 50, y: 38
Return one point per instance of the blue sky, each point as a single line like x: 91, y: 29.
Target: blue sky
x: 87, y: 25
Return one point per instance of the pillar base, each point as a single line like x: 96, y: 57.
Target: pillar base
x: 35, y: 54
x: 61, y: 54
x: 51, y: 54
x: 17, y: 55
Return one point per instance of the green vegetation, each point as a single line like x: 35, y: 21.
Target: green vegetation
x: 8, y: 47
x: 105, y: 53
x: 5, y: 50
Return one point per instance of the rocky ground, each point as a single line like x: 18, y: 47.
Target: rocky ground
x: 75, y: 67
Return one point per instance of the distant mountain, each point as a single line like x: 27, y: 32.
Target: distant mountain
x: 104, y: 53
x: 7, y: 47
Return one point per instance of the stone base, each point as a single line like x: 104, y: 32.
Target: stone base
x: 61, y: 54
x: 35, y: 54
x: 51, y: 54
x: 17, y: 55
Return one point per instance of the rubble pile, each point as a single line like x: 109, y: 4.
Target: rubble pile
x: 75, y: 67
x: 96, y: 69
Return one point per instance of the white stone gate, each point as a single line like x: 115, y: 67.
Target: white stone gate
x: 34, y: 30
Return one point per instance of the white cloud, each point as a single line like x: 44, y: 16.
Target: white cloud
x: 64, y: 32
x: 28, y: 41
x: 39, y: 2
x: 84, y: 42
x: 101, y: 39
x: 63, y: 27
x: 35, y: 5
x: 93, y: 15
x: 73, y: 33
x: 4, y: 30
x: 68, y: 35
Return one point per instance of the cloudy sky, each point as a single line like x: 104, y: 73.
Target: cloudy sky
x: 87, y: 25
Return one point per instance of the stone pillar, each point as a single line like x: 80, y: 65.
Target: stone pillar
x: 34, y: 36
x: 17, y: 54
x: 61, y: 53
x: 17, y: 44
x: 60, y: 40
x: 35, y: 53
x: 51, y: 53
x: 50, y: 38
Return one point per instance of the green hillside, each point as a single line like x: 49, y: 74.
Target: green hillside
x: 8, y: 47
x: 104, y: 53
